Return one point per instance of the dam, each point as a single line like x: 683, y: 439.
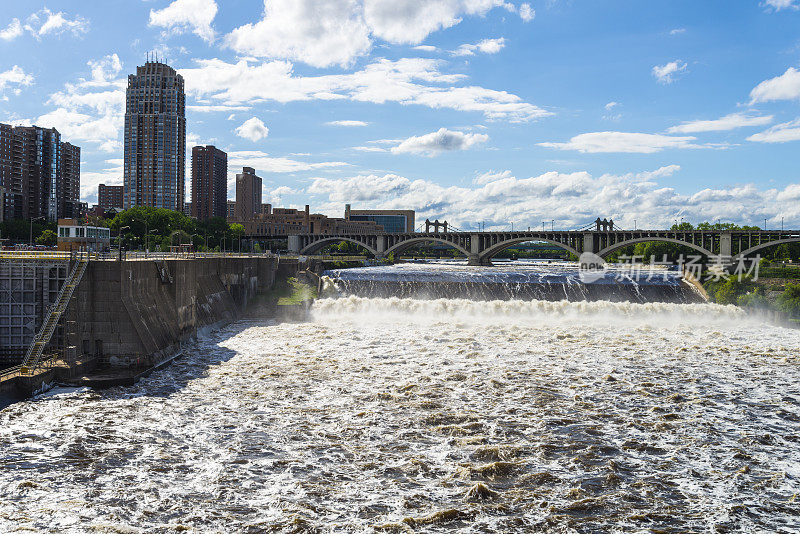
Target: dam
x: 132, y: 314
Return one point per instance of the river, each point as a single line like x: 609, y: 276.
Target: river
x: 400, y: 415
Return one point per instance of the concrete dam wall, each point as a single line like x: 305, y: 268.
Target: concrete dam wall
x: 137, y: 312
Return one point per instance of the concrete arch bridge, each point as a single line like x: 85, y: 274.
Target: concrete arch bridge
x: 481, y: 247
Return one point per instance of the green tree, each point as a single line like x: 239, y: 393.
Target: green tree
x: 47, y: 238
x: 789, y: 300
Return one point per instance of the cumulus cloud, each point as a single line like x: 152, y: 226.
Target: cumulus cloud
x: 666, y: 73
x: 14, y: 77
x: 778, y: 5
x: 253, y: 129
x: 184, y: 15
x: 323, y: 33
x: 728, y: 122
x: 783, y: 87
x: 572, y: 199
x: 630, y: 142
x: 12, y: 31
x: 47, y: 22
x: 780, y: 133
x: 110, y: 174
x: 347, y: 123
x: 526, y: 12
x: 318, y: 32
x: 91, y: 109
x: 264, y: 162
x: 406, y: 81
x: 486, y: 46
x: 411, y: 21
x: 435, y: 143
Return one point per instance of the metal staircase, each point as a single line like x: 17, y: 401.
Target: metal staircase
x: 33, y: 356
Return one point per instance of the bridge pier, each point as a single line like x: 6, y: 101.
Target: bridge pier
x: 294, y: 244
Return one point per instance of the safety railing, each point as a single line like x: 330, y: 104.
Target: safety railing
x: 34, y: 354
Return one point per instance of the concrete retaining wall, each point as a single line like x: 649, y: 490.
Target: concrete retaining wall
x: 137, y: 312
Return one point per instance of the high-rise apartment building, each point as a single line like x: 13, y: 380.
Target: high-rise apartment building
x: 209, y: 183
x: 110, y: 196
x: 248, y: 195
x: 155, y: 138
x: 41, y: 174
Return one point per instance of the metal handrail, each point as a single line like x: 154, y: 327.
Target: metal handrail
x: 42, y: 338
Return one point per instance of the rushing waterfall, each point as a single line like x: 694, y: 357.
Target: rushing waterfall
x: 400, y: 415
x: 522, y: 281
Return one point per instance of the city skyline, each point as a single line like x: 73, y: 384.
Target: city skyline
x: 477, y: 111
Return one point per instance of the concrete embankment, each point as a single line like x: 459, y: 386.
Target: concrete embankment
x: 127, y: 318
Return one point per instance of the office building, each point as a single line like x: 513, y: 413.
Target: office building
x: 230, y: 213
x: 155, y: 138
x: 248, y: 195
x: 392, y: 221
x: 209, y: 183
x: 289, y: 221
x: 40, y: 173
x: 187, y: 209
x: 110, y: 196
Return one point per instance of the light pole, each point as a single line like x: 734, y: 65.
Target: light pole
x: 30, y: 234
x: 765, y: 225
x: 119, y: 240
x: 553, y: 225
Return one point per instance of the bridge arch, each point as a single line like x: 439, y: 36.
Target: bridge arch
x: 616, y: 246
x: 408, y: 243
x: 762, y: 246
x: 316, y: 245
x: 492, y: 251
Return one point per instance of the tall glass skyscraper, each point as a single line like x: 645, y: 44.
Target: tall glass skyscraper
x: 155, y: 138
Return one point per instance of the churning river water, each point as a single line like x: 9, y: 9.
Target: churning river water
x: 399, y: 415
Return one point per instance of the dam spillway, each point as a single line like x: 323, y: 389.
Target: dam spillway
x: 549, y: 281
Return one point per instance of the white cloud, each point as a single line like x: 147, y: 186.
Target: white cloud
x: 572, y: 199
x: 47, y: 22
x: 212, y: 108
x: 261, y: 161
x: 111, y: 174
x: 777, y: 5
x: 405, y: 81
x: 783, y: 87
x: 611, y: 105
x: 411, y: 21
x: 426, y: 48
x: 253, y: 129
x: 486, y: 46
x: 666, y: 73
x: 182, y: 15
x: 780, y: 133
x: 91, y: 109
x: 630, y: 142
x: 323, y: 33
x: 728, y: 122
x: 346, y: 123
x: 318, y: 32
x: 526, y: 12
x: 15, y: 76
x: 12, y: 31
x: 435, y: 143
x: 677, y: 31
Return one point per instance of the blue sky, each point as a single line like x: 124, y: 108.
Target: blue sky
x: 475, y: 111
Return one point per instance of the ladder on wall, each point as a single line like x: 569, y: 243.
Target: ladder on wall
x: 33, y: 356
